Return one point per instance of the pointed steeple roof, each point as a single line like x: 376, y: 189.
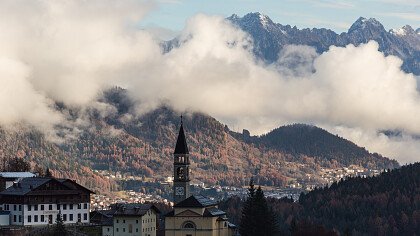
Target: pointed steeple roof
x: 181, y: 143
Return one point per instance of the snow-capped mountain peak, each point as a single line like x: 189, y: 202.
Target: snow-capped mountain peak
x: 269, y: 38
x: 363, y: 23
x: 403, y: 31
x: 265, y: 20
x: 254, y: 18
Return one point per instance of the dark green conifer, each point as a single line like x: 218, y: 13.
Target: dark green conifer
x: 257, y: 217
x: 59, y: 227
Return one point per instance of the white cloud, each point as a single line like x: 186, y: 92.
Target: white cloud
x: 70, y: 51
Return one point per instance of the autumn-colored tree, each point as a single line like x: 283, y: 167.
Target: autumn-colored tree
x: 17, y: 164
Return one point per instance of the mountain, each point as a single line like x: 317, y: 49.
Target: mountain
x: 300, y: 139
x: 388, y: 204
x: 143, y: 146
x: 269, y: 38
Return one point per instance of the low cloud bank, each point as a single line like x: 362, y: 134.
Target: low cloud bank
x: 71, y: 51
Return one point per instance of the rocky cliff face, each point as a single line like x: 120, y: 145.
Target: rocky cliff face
x: 270, y: 38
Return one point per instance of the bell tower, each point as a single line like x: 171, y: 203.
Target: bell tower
x: 181, y: 168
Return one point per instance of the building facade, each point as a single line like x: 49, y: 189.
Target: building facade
x: 193, y: 215
x: 38, y: 201
x: 197, y: 216
x: 128, y: 220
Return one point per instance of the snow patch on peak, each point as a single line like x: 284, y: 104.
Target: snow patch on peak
x: 399, y: 32
x: 403, y: 31
x: 263, y: 19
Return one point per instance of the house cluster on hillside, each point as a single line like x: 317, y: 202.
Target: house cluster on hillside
x: 28, y: 201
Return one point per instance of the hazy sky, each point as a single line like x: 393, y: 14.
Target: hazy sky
x: 334, y: 14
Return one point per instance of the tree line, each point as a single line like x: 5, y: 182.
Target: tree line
x: 388, y: 204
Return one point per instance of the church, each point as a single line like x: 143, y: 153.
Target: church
x: 193, y: 215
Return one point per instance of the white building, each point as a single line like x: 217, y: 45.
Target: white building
x: 128, y: 220
x: 38, y: 201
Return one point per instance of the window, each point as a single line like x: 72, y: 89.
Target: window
x: 71, y: 206
x: 123, y: 229
x: 36, y: 207
x: 137, y: 230
x: 85, y: 206
x: 79, y: 206
x: 79, y: 217
x: 35, y: 218
x: 64, y: 206
x: 29, y: 218
x: 14, y: 207
x: 42, y: 218
x: 118, y: 221
x: 124, y: 221
x: 64, y: 217
x: 137, y: 221
x: 71, y: 217
x: 20, y: 207
x: 42, y: 207
x: 85, y: 216
x: 188, y: 225
x: 29, y: 207
x: 108, y: 229
x: 58, y: 206
x: 117, y: 229
x: 50, y: 207
x: 14, y: 218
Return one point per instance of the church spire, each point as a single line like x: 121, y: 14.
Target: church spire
x: 181, y: 143
x: 181, y: 185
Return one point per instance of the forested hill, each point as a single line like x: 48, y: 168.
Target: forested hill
x: 301, y: 139
x: 143, y: 145
x: 388, y: 204
x: 385, y: 205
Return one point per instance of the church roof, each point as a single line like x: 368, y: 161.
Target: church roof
x: 196, y: 201
x: 214, y: 211
x: 181, y: 143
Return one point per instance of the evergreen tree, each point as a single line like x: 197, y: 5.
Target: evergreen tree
x: 266, y: 221
x: 48, y: 173
x: 257, y: 217
x: 59, y: 228
x: 248, y: 225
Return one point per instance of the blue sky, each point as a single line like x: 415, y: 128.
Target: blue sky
x: 336, y: 15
